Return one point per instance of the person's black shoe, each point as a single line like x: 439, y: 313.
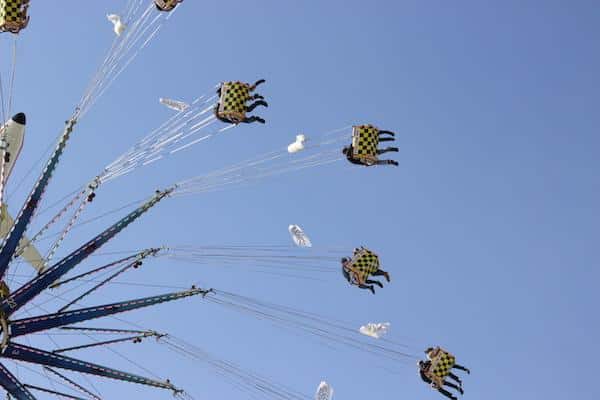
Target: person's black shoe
x: 372, y: 289
x: 262, y: 121
x: 394, y: 163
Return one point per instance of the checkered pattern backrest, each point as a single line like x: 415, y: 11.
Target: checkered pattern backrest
x: 232, y: 104
x: 442, y: 363
x: 365, y: 139
x: 12, y: 15
x: 363, y: 264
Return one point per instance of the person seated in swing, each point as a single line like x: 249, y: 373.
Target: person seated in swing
x: 432, y: 352
x: 232, y: 107
x: 363, y: 265
x: 364, y: 149
x: 437, y: 383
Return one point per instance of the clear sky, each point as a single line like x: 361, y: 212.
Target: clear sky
x: 489, y: 226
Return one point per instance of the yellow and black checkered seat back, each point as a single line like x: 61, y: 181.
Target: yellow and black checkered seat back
x: 363, y: 264
x: 365, y: 140
x: 13, y: 15
x: 232, y: 104
x: 442, y: 363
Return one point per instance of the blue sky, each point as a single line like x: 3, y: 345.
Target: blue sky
x: 489, y: 226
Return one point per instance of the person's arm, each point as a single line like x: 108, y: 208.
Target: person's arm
x: 424, y: 377
x: 346, y: 275
x: 357, y: 278
x: 353, y: 278
x: 350, y: 158
x: 354, y: 160
x: 216, y: 112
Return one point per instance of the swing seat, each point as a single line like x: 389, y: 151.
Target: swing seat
x: 232, y: 104
x: 13, y: 15
x: 363, y: 264
x: 365, y: 140
x: 441, y: 362
x: 166, y: 5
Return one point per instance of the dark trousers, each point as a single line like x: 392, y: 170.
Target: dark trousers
x: 452, y: 385
x: 256, y: 104
x: 385, y: 162
x: 447, y: 394
x: 258, y: 82
x: 252, y: 119
x: 462, y: 368
x: 386, y: 150
x: 456, y: 378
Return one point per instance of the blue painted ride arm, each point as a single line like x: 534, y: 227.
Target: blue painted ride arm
x: 26, y: 326
x: 12, y: 385
x: 28, y: 291
x: 24, y: 217
x: 36, y: 356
